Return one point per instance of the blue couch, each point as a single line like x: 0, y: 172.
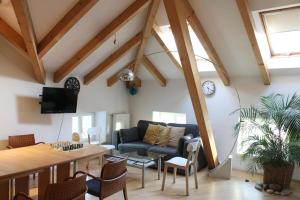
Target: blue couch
x: 127, y: 140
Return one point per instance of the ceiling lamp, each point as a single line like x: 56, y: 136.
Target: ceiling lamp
x: 126, y: 75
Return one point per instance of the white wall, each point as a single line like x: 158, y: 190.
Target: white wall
x: 175, y: 98
x: 19, y: 102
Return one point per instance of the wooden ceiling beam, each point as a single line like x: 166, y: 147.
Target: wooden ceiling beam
x: 249, y: 26
x: 14, y: 38
x: 100, y: 38
x: 180, y: 31
x: 205, y: 41
x: 115, y: 77
x: 155, y: 33
x: 113, y: 58
x: 154, y: 71
x: 26, y: 26
x: 64, y: 25
x: 146, y: 33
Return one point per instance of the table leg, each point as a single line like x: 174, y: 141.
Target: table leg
x: 52, y: 170
x: 143, y: 176
x: 4, y: 190
x: 63, y: 172
x: 74, y: 167
x: 22, y: 185
x: 11, y: 188
x: 159, y: 167
x: 44, y: 180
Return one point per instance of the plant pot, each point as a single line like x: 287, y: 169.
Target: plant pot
x: 278, y: 175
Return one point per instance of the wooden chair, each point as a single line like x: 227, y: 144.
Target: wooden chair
x: 18, y: 141
x: 183, y: 163
x: 112, y: 180
x: 71, y: 189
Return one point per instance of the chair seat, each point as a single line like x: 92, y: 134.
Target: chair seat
x: 179, y: 161
x: 93, y: 187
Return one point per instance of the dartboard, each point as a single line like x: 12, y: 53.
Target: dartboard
x: 72, y: 83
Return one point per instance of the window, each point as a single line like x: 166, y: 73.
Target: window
x: 168, y: 117
x: 82, y: 123
x: 200, y: 53
x: 282, y: 28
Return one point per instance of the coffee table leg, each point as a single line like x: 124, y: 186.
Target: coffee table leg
x: 159, y: 167
x: 143, y: 176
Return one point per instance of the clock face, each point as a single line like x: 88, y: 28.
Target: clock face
x: 72, y: 83
x: 208, y: 88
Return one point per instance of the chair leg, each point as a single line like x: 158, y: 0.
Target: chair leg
x: 195, y: 175
x: 125, y: 193
x: 164, y: 178
x: 174, y: 174
x: 187, y: 181
x: 87, y: 165
x: 100, y: 161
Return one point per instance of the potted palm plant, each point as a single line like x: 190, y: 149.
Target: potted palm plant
x: 271, y: 137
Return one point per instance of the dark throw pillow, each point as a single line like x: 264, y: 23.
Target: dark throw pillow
x: 129, y: 135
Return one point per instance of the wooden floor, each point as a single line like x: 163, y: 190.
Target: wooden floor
x: 209, y: 188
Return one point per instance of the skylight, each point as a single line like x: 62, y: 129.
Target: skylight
x: 202, y: 58
x: 283, y: 31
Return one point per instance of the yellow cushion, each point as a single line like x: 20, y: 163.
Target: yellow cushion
x: 163, y: 137
x: 151, y: 134
x: 175, y: 134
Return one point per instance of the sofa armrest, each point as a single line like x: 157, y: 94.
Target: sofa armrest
x: 116, y: 139
x: 181, y: 142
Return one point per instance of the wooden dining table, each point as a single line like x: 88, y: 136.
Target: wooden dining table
x: 16, y: 165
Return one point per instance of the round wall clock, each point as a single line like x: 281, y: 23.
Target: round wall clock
x: 72, y: 83
x: 208, y: 88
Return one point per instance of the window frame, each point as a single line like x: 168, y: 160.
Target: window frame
x: 265, y: 27
x: 80, y: 117
x: 175, y: 113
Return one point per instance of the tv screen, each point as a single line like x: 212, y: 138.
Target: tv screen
x: 59, y: 100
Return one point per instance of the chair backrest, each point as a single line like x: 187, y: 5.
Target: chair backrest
x: 193, y: 149
x: 74, y: 189
x: 113, y: 176
x: 18, y: 141
x: 75, y: 137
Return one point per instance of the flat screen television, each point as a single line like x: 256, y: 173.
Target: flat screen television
x: 59, y: 100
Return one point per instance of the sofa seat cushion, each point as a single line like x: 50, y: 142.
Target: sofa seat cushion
x: 172, y: 151
x: 140, y: 147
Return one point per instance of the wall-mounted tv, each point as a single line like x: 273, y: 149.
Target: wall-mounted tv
x: 59, y: 100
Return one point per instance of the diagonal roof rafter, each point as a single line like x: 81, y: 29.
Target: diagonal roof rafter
x: 130, y: 12
x: 146, y: 33
x: 155, y: 33
x: 205, y: 41
x: 249, y: 26
x: 113, y: 58
x: 154, y: 71
x: 26, y: 26
x: 14, y: 38
x: 64, y: 25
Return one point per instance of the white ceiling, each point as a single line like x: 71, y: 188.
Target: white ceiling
x: 220, y: 19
